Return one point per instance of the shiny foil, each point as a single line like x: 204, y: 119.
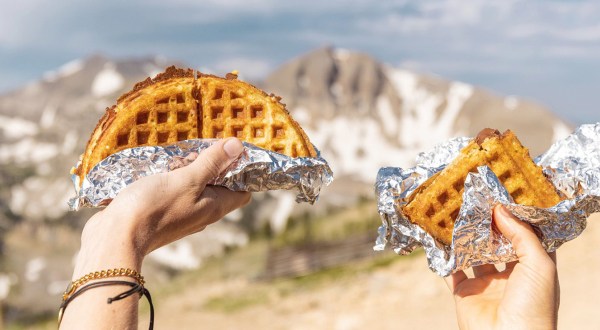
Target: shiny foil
x: 256, y: 170
x: 572, y: 164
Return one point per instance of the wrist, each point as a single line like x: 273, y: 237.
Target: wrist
x: 107, y: 243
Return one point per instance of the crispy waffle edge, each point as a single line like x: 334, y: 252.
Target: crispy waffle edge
x: 171, y: 72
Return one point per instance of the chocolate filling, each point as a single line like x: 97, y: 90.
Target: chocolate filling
x: 486, y: 133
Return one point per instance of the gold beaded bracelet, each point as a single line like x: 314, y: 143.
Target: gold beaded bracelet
x: 116, y: 272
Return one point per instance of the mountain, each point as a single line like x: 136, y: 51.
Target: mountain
x: 364, y: 114
x: 361, y: 113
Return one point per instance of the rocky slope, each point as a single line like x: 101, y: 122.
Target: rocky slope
x: 362, y: 114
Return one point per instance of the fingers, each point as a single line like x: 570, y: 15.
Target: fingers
x: 211, y: 162
x: 526, y: 244
x: 230, y: 200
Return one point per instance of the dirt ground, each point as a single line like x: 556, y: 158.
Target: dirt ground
x: 403, y: 295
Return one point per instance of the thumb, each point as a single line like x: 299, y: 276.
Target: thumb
x: 527, y: 246
x: 212, y: 161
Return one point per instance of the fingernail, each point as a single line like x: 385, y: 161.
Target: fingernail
x: 505, y: 217
x: 233, y: 147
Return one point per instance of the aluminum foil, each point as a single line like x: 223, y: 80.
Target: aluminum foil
x: 572, y: 164
x: 255, y: 170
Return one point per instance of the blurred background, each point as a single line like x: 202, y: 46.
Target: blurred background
x: 372, y: 83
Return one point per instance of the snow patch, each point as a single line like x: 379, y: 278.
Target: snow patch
x: 5, y: 283
x: 404, y: 81
x: 178, y: 255
x: 347, y: 155
x: 34, y: 268
x: 560, y: 131
x: 17, y: 128
x: 48, y: 116
x: 458, y: 94
x: 69, y: 143
x: 41, y: 198
x: 511, y: 102
x: 302, y: 116
x: 107, y: 81
x: 419, y: 107
x: 27, y: 150
x: 65, y: 70
x: 421, y: 125
x: 341, y: 54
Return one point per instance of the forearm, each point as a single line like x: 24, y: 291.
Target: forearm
x: 105, y: 245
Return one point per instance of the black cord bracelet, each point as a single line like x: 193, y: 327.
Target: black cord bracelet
x: 135, y: 288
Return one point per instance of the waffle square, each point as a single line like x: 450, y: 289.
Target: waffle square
x: 436, y: 204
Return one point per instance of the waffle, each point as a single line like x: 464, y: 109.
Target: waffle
x: 184, y: 104
x: 436, y: 203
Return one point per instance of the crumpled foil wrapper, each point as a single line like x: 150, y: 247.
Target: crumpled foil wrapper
x: 255, y: 170
x: 572, y: 164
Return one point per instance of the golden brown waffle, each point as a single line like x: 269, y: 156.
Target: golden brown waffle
x: 183, y: 104
x: 435, y: 204
x: 233, y: 108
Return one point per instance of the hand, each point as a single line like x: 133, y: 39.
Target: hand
x: 523, y: 296
x: 150, y: 213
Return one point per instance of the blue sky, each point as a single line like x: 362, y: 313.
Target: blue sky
x: 548, y: 51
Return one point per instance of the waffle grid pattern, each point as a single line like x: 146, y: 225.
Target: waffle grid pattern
x: 172, y: 118
x: 226, y: 112
x: 437, y: 205
x: 180, y: 104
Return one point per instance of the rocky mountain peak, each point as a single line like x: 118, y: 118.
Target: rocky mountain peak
x: 330, y: 80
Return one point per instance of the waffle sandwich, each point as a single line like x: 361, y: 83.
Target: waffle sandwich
x: 182, y: 104
x: 436, y: 203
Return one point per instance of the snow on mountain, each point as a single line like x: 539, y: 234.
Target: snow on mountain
x: 17, y: 128
x: 65, y: 70
x: 363, y: 114
x: 107, y: 81
x: 420, y: 125
x: 352, y: 145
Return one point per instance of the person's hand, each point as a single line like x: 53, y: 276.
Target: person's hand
x: 150, y: 213
x: 523, y: 296
x: 162, y: 208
